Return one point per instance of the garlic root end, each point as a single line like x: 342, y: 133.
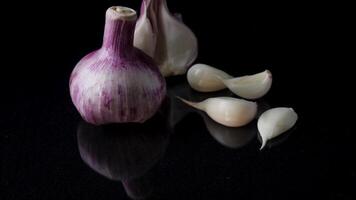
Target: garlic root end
x: 190, y: 103
x: 264, y: 142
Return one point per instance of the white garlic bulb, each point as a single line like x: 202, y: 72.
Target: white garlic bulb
x: 205, y: 78
x: 274, y: 122
x: 164, y: 37
x: 228, y: 111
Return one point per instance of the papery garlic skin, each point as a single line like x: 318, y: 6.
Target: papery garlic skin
x: 165, y: 38
x: 204, y: 78
x: 228, y: 111
x: 252, y: 86
x: 146, y: 30
x: 274, y: 122
x: 117, y: 83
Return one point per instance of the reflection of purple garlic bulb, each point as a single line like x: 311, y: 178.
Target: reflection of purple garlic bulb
x: 123, y: 151
x: 117, y: 83
x: 164, y: 37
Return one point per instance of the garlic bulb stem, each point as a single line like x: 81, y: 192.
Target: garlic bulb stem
x: 124, y: 29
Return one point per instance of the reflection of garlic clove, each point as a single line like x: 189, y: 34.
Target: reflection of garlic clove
x: 230, y: 137
x: 232, y: 112
x: 252, y: 86
x: 205, y: 78
x: 165, y: 38
x: 139, y: 188
x: 274, y: 122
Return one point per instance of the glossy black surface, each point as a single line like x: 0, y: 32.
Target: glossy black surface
x: 48, y: 152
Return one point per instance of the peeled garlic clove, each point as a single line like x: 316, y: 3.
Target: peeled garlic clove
x: 175, y: 46
x: 205, y: 78
x: 274, y: 122
x: 250, y: 87
x: 227, y: 111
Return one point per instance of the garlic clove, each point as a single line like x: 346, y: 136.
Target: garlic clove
x: 178, y: 110
x: 170, y: 43
x: 228, y: 111
x: 274, y: 122
x: 252, y: 86
x: 205, y: 78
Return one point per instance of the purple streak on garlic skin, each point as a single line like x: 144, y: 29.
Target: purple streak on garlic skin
x: 117, y: 83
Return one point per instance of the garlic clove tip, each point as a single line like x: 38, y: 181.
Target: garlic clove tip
x: 264, y: 142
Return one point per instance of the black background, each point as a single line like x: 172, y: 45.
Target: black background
x: 39, y: 150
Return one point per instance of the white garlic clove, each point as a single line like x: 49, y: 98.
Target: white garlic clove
x: 274, y: 122
x: 205, y: 78
x: 160, y: 34
x: 252, y: 86
x: 228, y: 111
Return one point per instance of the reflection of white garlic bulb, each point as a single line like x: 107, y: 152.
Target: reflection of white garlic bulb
x: 232, y: 112
x: 205, y: 78
x: 171, y: 44
x: 274, y: 122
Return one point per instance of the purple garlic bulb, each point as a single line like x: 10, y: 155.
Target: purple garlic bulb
x: 117, y: 83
